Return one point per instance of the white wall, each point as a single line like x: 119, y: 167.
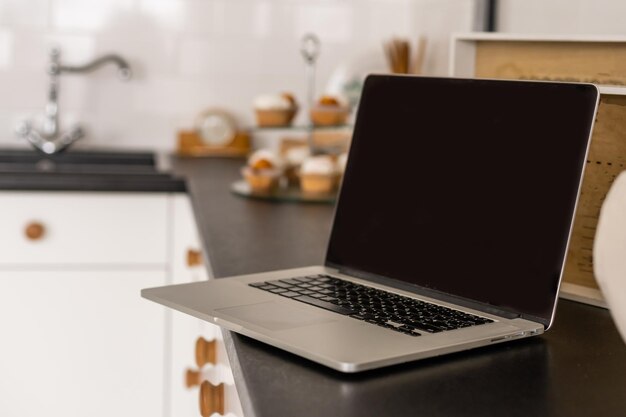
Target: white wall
x: 586, y: 17
x: 191, y: 54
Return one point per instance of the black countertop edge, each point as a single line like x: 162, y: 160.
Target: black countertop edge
x: 119, y: 187
x: 86, y: 182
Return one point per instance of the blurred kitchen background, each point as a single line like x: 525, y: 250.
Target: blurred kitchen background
x: 188, y: 55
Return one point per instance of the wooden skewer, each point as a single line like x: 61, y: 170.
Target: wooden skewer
x: 398, y: 55
x: 406, y: 56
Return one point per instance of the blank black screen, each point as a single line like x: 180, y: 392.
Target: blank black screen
x: 466, y: 187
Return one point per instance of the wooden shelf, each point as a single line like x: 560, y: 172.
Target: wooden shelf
x: 612, y: 90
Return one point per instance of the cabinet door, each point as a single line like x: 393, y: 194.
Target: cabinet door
x: 81, y: 228
x: 80, y: 343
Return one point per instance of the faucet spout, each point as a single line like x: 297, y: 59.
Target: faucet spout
x: 123, y: 69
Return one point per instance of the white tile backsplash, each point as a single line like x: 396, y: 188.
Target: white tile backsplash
x: 544, y: 16
x: 201, y: 17
x: 188, y: 55
x: 28, y: 51
x: 88, y: 15
x: 149, y: 54
x: 254, y: 19
x: 6, y: 49
x: 579, y: 17
x: 31, y: 14
x: 75, y: 47
x: 333, y: 22
x: 164, y: 14
x: 390, y: 18
x: 22, y: 91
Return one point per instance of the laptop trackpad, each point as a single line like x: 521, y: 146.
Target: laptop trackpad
x: 274, y: 316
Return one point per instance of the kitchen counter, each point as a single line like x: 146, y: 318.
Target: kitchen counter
x: 578, y: 368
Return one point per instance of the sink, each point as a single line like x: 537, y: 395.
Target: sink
x: 84, y: 170
x: 18, y: 161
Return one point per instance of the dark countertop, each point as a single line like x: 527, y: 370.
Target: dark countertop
x: 578, y: 368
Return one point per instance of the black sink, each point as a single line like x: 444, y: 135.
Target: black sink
x: 82, y: 170
x: 18, y: 161
x: 79, y: 157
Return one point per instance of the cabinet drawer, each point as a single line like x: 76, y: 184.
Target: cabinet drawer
x: 44, y: 228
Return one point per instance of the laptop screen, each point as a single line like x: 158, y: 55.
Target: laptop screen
x: 465, y: 187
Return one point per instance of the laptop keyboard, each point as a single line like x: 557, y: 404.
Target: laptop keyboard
x: 403, y: 314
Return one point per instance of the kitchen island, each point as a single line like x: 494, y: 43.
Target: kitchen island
x: 578, y: 368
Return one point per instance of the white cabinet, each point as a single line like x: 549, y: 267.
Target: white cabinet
x: 76, y: 337
x: 80, y: 343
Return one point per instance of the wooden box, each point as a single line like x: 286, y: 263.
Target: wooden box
x: 599, y: 60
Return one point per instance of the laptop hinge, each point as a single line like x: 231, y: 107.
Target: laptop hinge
x: 426, y: 292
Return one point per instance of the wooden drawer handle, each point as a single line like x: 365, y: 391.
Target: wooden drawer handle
x: 192, y: 378
x: 205, y: 352
x: 194, y: 257
x: 34, y: 231
x: 211, y: 399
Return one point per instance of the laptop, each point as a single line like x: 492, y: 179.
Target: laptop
x: 450, y: 230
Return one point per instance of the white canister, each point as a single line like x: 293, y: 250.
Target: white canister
x: 609, y: 252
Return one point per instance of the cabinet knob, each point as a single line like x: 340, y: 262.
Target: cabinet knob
x: 211, y: 399
x: 194, y: 257
x: 205, y: 352
x: 192, y: 378
x: 34, y: 230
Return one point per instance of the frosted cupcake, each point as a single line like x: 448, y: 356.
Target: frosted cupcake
x: 330, y: 111
x: 263, y: 171
x: 294, y: 157
x: 275, y: 110
x: 318, y: 174
x: 342, y: 161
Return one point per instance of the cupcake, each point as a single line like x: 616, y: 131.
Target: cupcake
x: 263, y: 171
x: 318, y: 174
x: 342, y: 161
x: 275, y: 110
x: 294, y: 157
x: 329, y: 111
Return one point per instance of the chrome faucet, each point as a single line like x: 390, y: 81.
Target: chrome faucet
x: 49, y: 139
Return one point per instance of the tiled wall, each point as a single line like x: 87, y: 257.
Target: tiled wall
x: 581, y: 17
x: 191, y: 54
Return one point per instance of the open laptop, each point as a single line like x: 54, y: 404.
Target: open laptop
x: 450, y: 231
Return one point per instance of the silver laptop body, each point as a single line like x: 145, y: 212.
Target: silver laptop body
x: 504, y: 277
